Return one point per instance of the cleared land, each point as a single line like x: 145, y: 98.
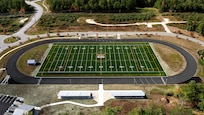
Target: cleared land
x: 96, y: 59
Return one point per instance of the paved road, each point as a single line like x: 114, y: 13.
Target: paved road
x: 36, y: 17
x: 187, y: 74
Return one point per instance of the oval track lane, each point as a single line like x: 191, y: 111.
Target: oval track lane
x: 187, y: 74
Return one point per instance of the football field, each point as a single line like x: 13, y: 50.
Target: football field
x: 100, y: 59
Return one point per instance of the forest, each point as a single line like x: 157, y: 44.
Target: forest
x: 125, y: 5
x: 14, y: 6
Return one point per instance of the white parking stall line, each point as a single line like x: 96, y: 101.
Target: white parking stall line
x: 1, y: 97
x: 4, y: 99
x: 135, y: 81
x: 39, y: 80
x: 12, y: 99
x: 141, y: 81
x: 8, y: 99
x: 153, y: 81
x: 146, y: 80
x: 163, y: 80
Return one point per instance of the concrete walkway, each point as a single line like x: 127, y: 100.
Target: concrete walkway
x: 148, y: 24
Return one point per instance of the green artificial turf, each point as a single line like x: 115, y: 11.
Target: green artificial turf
x: 120, y: 59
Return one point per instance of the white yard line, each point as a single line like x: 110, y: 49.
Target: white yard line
x: 91, y: 64
x: 124, y: 59
x: 87, y: 55
x: 77, y: 58
x: 147, y: 56
x: 64, y: 57
x: 116, y: 66
x: 132, y: 53
x: 119, y: 58
x: 82, y: 58
x: 129, y: 59
x: 69, y: 47
x: 54, y: 57
x: 106, y: 66
x: 72, y: 59
x: 96, y: 59
x: 110, y: 58
x: 58, y: 57
x: 141, y: 53
x: 137, y: 55
x: 101, y: 69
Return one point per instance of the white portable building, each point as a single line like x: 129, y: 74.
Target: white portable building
x: 132, y: 94
x: 74, y: 95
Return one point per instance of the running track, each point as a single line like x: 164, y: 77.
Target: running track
x: 187, y: 74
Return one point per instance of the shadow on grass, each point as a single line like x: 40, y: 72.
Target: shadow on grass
x: 196, y: 79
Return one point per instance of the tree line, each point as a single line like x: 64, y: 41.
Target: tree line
x: 195, y: 22
x: 180, y: 5
x: 194, y: 94
x: 126, y: 5
x: 14, y: 6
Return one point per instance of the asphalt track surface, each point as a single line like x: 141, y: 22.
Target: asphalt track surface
x: 185, y: 75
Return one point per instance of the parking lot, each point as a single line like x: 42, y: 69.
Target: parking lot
x: 5, y: 102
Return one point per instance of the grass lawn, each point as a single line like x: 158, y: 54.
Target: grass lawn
x: 34, y: 53
x: 10, y: 23
x: 96, y: 59
x: 10, y: 40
